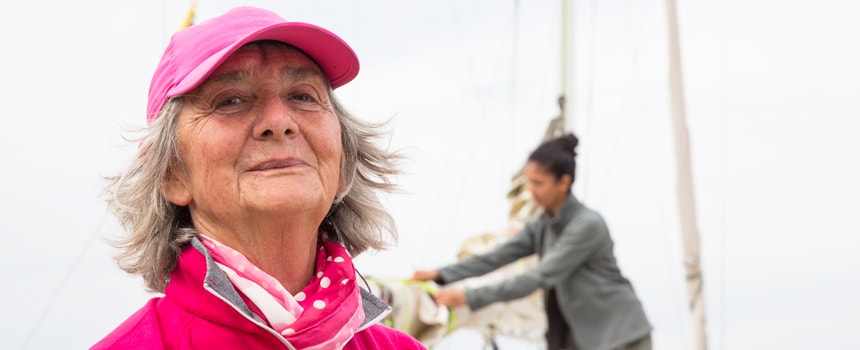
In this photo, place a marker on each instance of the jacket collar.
(565, 214)
(217, 281)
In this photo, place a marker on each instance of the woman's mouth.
(274, 164)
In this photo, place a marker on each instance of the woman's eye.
(230, 104)
(303, 97)
(230, 101)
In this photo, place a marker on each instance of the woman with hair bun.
(589, 304)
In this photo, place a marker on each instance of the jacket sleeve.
(578, 240)
(518, 246)
(140, 331)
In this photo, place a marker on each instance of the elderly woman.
(251, 191)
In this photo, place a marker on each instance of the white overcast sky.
(773, 102)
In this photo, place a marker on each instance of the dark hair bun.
(557, 156)
(568, 142)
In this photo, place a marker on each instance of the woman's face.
(258, 137)
(547, 191)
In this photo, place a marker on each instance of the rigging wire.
(52, 300)
(434, 211)
(724, 130)
(445, 236)
(429, 235)
(164, 39)
(669, 251)
(566, 72)
(589, 95)
(79, 258)
(625, 114)
(472, 148)
(625, 101)
(663, 213)
(513, 88)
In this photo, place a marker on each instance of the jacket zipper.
(263, 326)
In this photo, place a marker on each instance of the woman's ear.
(567, 181)
(341, 183)
(175, 190)
(344, 184)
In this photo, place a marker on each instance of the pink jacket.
(202, 310)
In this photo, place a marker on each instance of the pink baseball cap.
(196, 51)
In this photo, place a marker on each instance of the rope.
(79, 258)
(625, 105)
(470, 154)
(589, 97)
(723, 171)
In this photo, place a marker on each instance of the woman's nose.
(274, 120)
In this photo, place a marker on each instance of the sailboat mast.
(686, 197)
(565, 57)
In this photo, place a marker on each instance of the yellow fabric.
(414, 310)
(189, 18)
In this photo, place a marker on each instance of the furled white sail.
(686, 196)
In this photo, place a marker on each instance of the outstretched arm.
(520, 245)
(575, 245)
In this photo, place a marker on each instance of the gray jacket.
(576, 259)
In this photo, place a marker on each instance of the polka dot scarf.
(324, 315)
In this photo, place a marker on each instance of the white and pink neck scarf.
(324, 315)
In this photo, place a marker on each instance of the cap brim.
(332, 54)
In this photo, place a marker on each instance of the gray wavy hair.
(157, 229)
